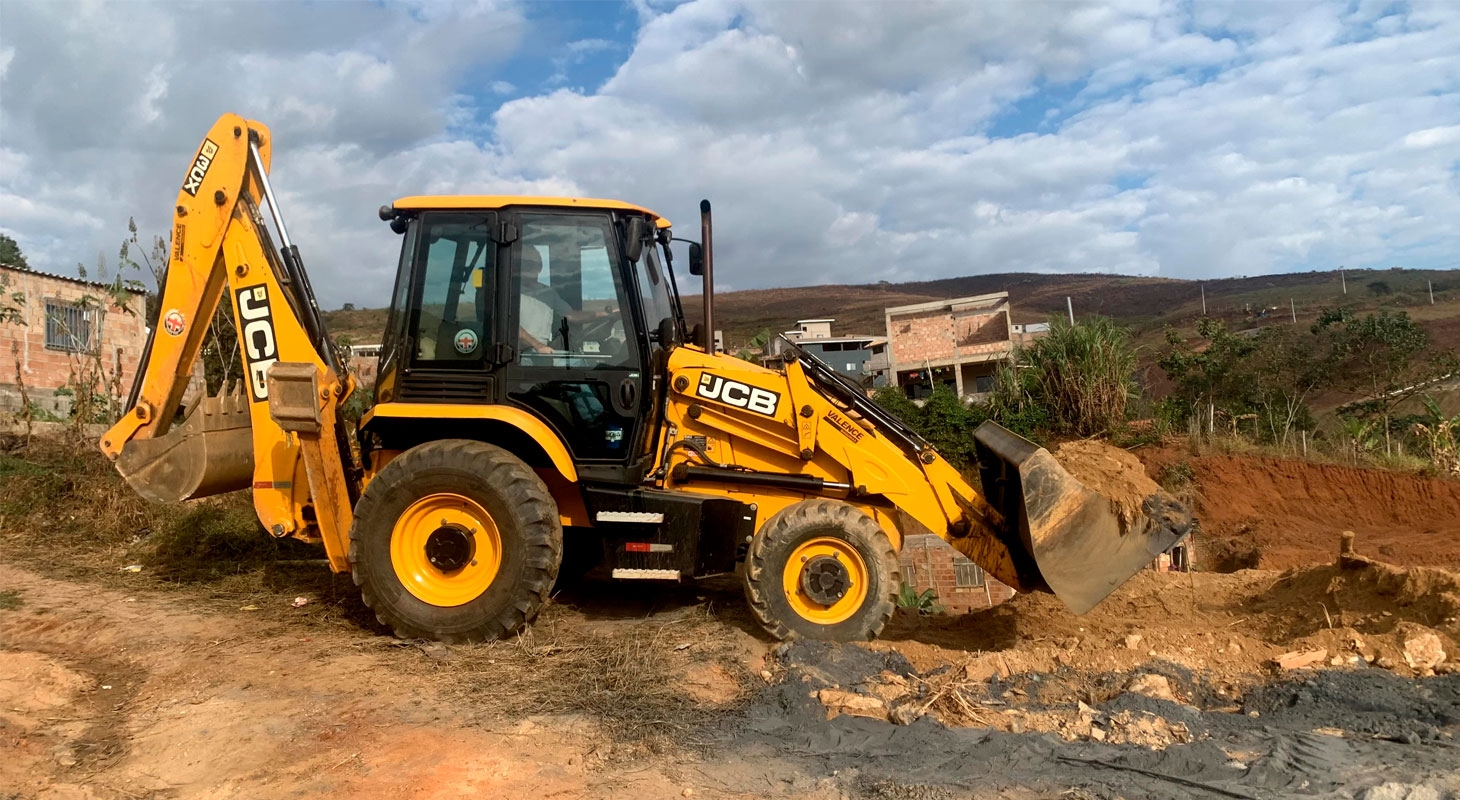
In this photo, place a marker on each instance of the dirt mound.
(1229, 626)
(1116, 473)
(1287, 513)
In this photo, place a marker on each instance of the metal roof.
(66, 278)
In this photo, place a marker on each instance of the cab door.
(579, 362)
(443, 328)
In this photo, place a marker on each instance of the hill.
(1146, 305)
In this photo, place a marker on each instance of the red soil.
(1292, 512)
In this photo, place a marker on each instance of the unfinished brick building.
(928, 562)
(956, 343)
(64, 325)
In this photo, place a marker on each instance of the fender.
(533, 427)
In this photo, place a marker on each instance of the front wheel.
(821, 569)
(456, 540)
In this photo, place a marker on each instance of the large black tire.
(525, 516)
(779, 539)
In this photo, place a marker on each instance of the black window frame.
(90, 316)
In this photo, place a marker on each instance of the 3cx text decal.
(199, 171)
(735, 393)
(260, 347)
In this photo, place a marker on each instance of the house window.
(69, 327)
(966, 573)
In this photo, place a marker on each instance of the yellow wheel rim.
(446, 549)
(811, 555)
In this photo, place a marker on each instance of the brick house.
(957, 343)
(364, 358)
(928, 562)
(69, 324)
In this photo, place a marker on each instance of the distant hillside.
(1147, 305)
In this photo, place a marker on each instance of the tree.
(1385, 358)
(1288, 366)
(1380, 288)
(10, 254)
(348, 307)
(1210, 375)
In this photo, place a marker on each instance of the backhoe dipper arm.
(296, 463)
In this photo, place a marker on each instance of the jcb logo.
(195, 177)
(735, 393)
(260, 348)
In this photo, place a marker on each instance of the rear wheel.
(456, 540)
(821, 569)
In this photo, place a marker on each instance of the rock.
(688, 792)
(1336, 661)
(838, 701)
(986, 667)
(1155, 686)
(1385, 662)
(1133, 641)
(1299, 659)
(1233, 648)
(1400, 791)
(1423, 651)
(904, 714)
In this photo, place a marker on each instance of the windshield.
(654, 288)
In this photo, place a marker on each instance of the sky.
(848, 142)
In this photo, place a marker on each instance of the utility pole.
(1070, 306)
(1343, 279)
(1432, 291)
(1203, 299)
(1294, 309)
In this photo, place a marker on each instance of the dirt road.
(108, 694)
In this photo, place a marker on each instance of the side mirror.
(696, 259)
(636, 232)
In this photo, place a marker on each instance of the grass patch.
(10, 599)
(206, 543)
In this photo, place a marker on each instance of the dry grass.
(624, 674)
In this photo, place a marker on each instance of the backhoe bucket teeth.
(210, 453)
(1081, 543)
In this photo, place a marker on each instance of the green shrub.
(924, 603)
(1081, 375)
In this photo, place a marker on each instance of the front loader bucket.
(211, 453)
(1082, 544)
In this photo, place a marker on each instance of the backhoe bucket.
(211, 453)
(1081, 543)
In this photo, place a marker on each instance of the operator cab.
(563, 308)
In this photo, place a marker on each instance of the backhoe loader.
(538, 386)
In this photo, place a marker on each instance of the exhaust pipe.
(707, 247)
(210, 453)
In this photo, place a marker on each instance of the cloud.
(840, 142)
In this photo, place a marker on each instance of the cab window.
(572, 307)
(456, 268)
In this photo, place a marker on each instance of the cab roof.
(451, 201)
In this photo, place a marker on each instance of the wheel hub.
(825, 580)
(449, 548)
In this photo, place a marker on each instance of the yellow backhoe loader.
(538, 387)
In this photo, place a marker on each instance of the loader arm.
(808, 430)
(276, 430)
